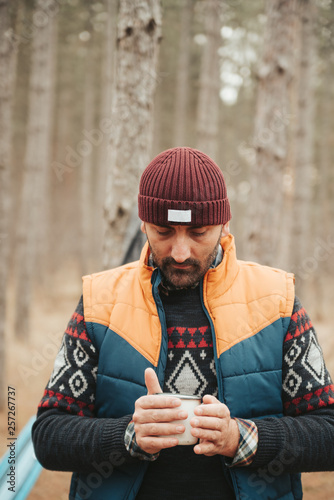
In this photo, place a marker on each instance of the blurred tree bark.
(86, 172)
(323, 228)
(326, 171)
(34, 197)
(182, 83)
(139, 33)
(67, 123)
(107, 89)
(301, 244)
(7, 69)
(209, 82)
(272, 119)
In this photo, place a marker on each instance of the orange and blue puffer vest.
(249, 308)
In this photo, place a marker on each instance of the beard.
(176, 278)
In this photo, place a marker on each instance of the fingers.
(157, 402)
(210, 423)
(214, 409)
(154, 444)
(218, 443)
(152, 382)
(157, 417)
(207, 448)
(208, 399)
(153, 425)
(209, 428)
(213, 426)
(161, 430)
(149, 414)
(155, 437)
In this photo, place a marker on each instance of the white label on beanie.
(179, 215)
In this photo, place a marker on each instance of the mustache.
(188, 262)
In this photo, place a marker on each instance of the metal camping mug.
(188, 403)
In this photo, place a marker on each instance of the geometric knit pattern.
(190, 370)
(71, 386)
(190, 361)
(190, 366)
(307, 384)
(189, 350)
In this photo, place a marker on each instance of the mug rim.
(180, 396)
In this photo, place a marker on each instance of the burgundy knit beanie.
(183, 186)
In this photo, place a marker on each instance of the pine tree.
(138, 39)
(272, 121)
(34, 196)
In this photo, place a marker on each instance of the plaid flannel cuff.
(132, 446)
(247, 444)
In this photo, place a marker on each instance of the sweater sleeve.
(302, 440)
(67, 435)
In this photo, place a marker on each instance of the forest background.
(90, 91)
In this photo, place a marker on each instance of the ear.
(142, 227)
(226, 229)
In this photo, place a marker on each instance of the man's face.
(183, 253)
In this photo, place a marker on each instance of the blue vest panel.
(249, 376)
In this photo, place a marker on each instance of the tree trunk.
(139, 27)
(6, 86)
(86, 177)
(64, 180)
(209, 84)
(302, 209)
(272, 119)
(324, 231)
(107, 90)
(182, 84)
(34, 196)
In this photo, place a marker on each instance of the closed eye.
(163, 233)
(198, 234)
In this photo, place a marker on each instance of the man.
(189, 318)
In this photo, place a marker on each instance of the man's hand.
(218, 434)
(153, 416)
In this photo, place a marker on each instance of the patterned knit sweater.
(63, 441)
(190, 370)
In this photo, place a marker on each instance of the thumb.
(152, 382)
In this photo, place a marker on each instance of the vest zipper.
(214, 343)
(219, 377)
(161, 368)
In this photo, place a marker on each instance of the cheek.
(201, 255)
(160, 249)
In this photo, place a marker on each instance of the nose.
(180, 249)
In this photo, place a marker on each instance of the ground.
(29, 365)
